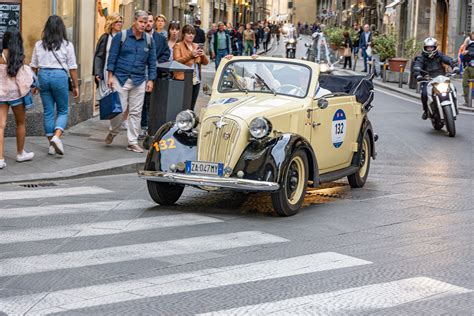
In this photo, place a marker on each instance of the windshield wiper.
(238, 83)
(266, 84)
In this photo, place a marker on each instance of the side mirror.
(206, 90)
(323, 103)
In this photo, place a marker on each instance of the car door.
(333, 135)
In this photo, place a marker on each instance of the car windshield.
(266, 77)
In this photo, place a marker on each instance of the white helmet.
(430, 47)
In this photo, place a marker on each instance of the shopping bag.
(110, 106)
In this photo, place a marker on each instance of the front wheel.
(164, 193)
(289, 198)
(449, 119)
(358, 179)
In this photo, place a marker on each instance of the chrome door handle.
(316, 124)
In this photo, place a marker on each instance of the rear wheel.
(164, 193)
(289, 198)
(449, 119)
(358, 179)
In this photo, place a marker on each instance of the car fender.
(266, 160)
(366, 127)
(170, 146)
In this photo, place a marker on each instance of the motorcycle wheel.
(449, 119)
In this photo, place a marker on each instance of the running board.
(336, 175)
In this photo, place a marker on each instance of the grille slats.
(212, 146)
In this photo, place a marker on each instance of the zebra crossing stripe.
(120, 292)
(59, 209)
(51, 193)
(78, 259)
(358, 299)
(103, 228)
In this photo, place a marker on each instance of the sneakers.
(2, 163)
(51, 150)
(57, 144)
(424, 116)
(109, 138)
(143, 133)
(124, 126)
(24, 156)
(135, 148)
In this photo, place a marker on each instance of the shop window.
(66, 9)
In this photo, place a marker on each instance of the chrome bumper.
(201, 180)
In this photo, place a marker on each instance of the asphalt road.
(402, 245)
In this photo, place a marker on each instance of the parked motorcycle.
(442, 102)
(290, 47)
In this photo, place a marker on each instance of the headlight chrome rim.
(186, 120)
(260, 127)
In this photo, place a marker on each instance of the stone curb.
(114, 167)
(405, 92)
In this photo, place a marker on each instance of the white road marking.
(50, 193)
(59, 209)
(358, 299)
(103, 228)
(78, 259)
(120, 292)
(409, 99)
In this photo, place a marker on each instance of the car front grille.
(218, 144)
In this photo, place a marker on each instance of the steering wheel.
(290, 89)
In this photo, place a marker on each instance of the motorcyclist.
(431, 62)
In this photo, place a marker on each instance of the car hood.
(249, 107)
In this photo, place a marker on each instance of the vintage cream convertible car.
(273, 125)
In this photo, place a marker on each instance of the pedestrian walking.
(468, 58)
(221, 45)
(250, 40)
(55, 62)
(278, 33)
(16, 80)
(209, 35)
(200, 37)
(191, 55)
(240, 40)
(365, 42)
(347, 44)
(162, 55)
(266, 38)
(113, 25)
(356, 43)
(131, 70)
(160, 25)
(173, 36)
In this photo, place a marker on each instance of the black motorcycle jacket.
(433, 66)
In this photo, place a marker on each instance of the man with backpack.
(131, 71)
(468, 61)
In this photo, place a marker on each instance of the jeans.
(146, 108)
(248, 51)
(221, 53)
(366, 57)
(54, 92)
(132, 98)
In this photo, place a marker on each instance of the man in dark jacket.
(162, 55)
(365, 41)
(200, 37)
(430, 63)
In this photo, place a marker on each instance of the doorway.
(442, 24)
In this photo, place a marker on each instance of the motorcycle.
(290, 47)
(319, 52)
(442, 102)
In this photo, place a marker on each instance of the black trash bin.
(169, 97)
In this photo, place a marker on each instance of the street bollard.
(400, 76)
(384, 75)
(471, 87)
(356, 57)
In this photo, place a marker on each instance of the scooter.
(290, 46)
(442, 102)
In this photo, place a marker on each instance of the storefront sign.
(10, 13)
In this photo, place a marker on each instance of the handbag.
(110, 105)
(347, 52)
(69, 80)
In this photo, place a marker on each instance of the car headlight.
(260, 127)
(291, 41)
(442, 87)
(186, 120)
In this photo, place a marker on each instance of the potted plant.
(412, 48)
(335, 37)
(385, 46)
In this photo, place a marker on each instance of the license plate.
(207, 168)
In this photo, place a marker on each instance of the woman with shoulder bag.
(347, 44)
(16, 80)
(55, 61)
(192, 55)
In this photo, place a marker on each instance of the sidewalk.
(405, 90)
